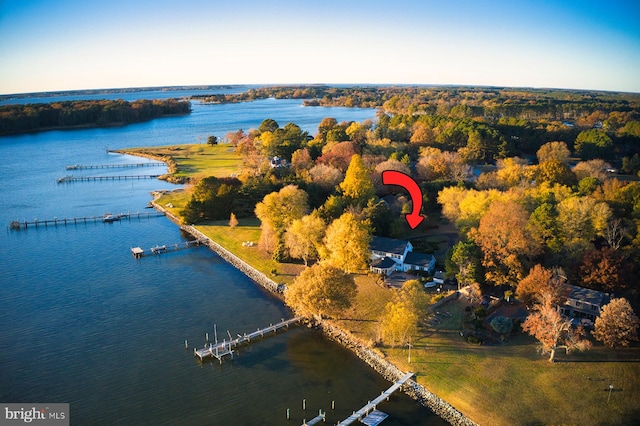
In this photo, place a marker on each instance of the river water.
(83, 322)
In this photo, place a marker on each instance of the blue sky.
(48, 45)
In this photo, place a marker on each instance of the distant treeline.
(486, 103)
(99, 113)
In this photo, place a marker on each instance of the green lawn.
(197, 160)
(512, 384)
(249, 230)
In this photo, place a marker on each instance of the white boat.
(108, 217)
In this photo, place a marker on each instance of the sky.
(53, 45)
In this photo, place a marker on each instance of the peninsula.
(23, 118)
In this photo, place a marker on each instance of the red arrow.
(393, 177)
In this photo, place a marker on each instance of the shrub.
(502, 325)
(481, 312)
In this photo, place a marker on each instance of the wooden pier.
(113, 166)
(106, 218)
(362, 413)
(226, 347)
(139, 252)
(69, 178)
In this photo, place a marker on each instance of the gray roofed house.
(400, 252)
(584, 303)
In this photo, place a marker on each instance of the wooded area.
(530, 178)
(18, 118)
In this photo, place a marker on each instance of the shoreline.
(386, 369)
(86, 126)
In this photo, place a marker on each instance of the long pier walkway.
(226, 347)
(138, 252)
(113, 166)
(35, 223)
(69, 178)
(371, 406)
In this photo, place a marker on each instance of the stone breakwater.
(389, 371)
(234, 260)
(392, 373)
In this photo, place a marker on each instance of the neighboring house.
(583, 303)
(389, 255)
(277, 163)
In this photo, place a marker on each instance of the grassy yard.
(511, 384)
(249, 230)
(507, 384)
(197, 160)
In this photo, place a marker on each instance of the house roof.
(388, 245)
(419, 259)
(587, 295)
(384, 263)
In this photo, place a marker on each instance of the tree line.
(18, 118)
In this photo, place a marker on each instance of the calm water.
(82, 322)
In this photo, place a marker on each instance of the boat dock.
(370, 409)
(106, 218)
(321, 417)
(113, 166)
(226, 347)
(70, 178)
(139, 252)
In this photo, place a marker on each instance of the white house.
(389, 255)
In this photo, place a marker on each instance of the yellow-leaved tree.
(357, 185)
(400, 320)
(346, 243)
(277, 211)
(321, 290)
(303, 239)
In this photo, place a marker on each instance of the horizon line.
(44, 93)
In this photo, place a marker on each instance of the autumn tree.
(399, 323)
(542, 284)
(505, 242)
(276, 212)
(555, 172)
(357, 185)
(234, 138)
(604, 270)
(233, 221)
(384, 166)
(338, 155)
(326, 176)
(321, 290)
(400, 319)
(435, 164)
(592, 168)
(422, 134)
(554, 332)
(554, 151)
(303, 239)
(301, 160)
(617, 325)
(347, 243)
